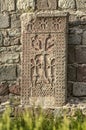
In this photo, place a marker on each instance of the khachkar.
(44, 40)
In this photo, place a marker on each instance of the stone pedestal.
(44, 41)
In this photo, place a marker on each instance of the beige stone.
(66, 4)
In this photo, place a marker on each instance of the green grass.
(31, 120)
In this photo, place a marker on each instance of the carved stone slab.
(46, 4)
(44, 39)
(79, 89)
(81, 4)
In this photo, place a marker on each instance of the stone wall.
(11, 48)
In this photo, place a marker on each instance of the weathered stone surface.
(74, 39)
(66, 4)
(9, 58)
(69, 89)
(84, 38)
(1, 39)
(79, 89)
(7, 5)
(81, 4)
(25, 4)
(46, 4)
(44, 58)
(81, 54)
(14, 32)
(4, 20)
(81, 73)
(71, 54)
(15, 21)
(15, 89)
(4, 89)
(71, 73)
(8, 72)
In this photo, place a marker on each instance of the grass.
(30, 120)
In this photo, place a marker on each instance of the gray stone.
(79, 89)
(1, 39)
(71, 73)
(66, 4)
(15, 21)
(15, 32)
(9, 58)
(81, 4)
(4, 21)
(7, 5)
(84, 38)
(8, 72)
(75, 39)
(46, 4)
(25, 4)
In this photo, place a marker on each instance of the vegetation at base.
(32, 120)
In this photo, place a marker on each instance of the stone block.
(25, 4)
(1, 39)
(66, 4)
(8, 72)
(7, 5)
(15, 89)
(9, 58)
(44, 58)
(46, 4)
(4, 20)
(81, 54)
(71, 73)
(81, 73)
(81, 4)
(15, 21)
(74, 39)
(71, 54)
(69, 89)
(79, 89)
(4, 89)
(84, 38)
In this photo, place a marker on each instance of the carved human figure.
(36, 43)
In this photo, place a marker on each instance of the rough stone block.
(84, 38)
(4, 89)
(69, 89)
(9, 58)
(4, 21)
(15, 21)
(81, 54)
(7, 5)
(81, 73)
(1, 39)
(15, 89)
(81, 4)
(79, 89)
(25, 4)
(46, 4)
(8, 72)
(71, 73)
(75, 39)
(71, 54)
(66, 4)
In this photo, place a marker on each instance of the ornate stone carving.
(46, 4)
(44, 60)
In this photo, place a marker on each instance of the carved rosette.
(44, 39)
